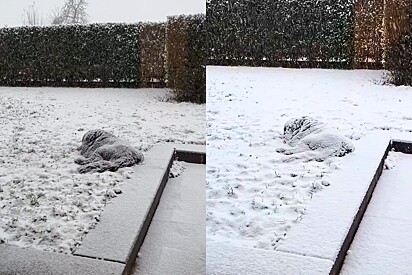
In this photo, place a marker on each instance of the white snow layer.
(382, 244)
(44, 202)
(254, 194)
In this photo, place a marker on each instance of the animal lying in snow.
(306, 133)
(102, 151)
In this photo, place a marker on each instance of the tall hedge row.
(186, 57)
(105, 55)
(302, 32)
(399, 42)
(368, 34)
(152, 55)
(72, 55)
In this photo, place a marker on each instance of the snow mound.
(102, 151)
(390, 161)
(176, 169)
(308, 134)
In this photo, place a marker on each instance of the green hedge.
(186, 43)
(109, 55)
(270, 32)
(399, 55)
(152, 55)
(72, 55)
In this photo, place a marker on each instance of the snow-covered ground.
(254, 196)
(44, 202)
(382, 244)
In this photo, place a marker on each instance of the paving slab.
(124, 222)
(184, 197)
(172, 261)
(330, 214)
(191, 148)
(158, 150)
(175, 242)
(19, 261)
(382, 243)
(333, 217)
(379, 248)
(227, 260)
(394, 193)
(191, 153)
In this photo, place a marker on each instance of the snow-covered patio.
(44, 202)
(253, 197)
(382, 242)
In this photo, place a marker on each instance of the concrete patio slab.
(227, 259)
(184, 200)
(382, 242)
(172, 262)
(177, 232)
(380, 248)
(125, 220)
(18, 261)
(330, 215)
(333, 218)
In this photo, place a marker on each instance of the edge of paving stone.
(231, 259)
(20, 261)
(191, 153)
(338, 263)
(334, 216)
(397, 145)
(131, 257)
(164, 152)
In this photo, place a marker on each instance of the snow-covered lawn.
(44, 202)
(253, 196)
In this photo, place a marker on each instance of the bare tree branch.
(73, 12)
(56, 16)
(31, 15)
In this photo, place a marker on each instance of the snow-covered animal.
(308, 134)
(102, 151)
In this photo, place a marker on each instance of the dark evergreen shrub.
(186, 57)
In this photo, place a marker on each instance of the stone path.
(382, 244)
(175, 242)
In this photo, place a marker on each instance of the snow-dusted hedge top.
(70, 55)
(243, 32)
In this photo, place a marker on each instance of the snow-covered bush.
(305, 134)
(186, 44)
(102, 151)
